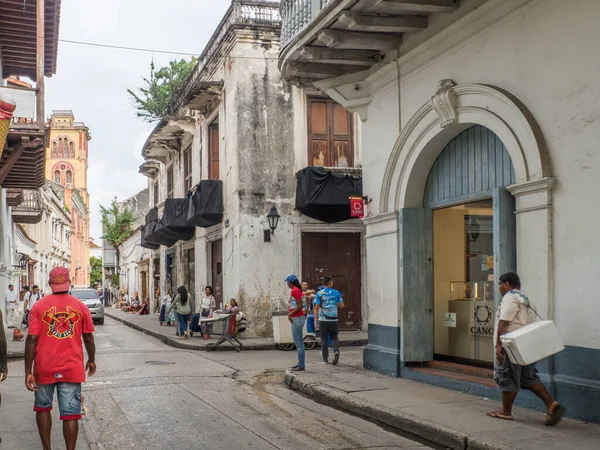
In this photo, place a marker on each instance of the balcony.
(324, 39)
(14, 197)
(30, 211)
(22, 161)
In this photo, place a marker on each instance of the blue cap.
(291, 278)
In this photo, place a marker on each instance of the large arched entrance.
(417, 184)
(472, 219)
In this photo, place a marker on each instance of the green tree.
(154, 100)
(118, 226)
(96, 272)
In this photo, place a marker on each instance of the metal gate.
(337, 255)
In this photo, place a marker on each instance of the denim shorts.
(68, 395)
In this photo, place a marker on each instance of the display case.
(472, 290)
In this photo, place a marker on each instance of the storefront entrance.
(473, 235)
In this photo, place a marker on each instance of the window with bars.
(187, 169)
(170, 184)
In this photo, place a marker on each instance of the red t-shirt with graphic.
(59, 321)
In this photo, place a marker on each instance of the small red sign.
(357, 207)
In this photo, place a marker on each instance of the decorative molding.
(444, 103)
(532, 187)
(423, 137)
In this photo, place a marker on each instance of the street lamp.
(273, 218)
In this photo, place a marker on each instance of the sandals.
(555, 416)
(498, 415)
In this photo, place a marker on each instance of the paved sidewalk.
(17, 419)
(449, 418)
(149, 324)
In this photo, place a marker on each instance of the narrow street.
(147, 395)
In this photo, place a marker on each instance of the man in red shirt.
(57, 324)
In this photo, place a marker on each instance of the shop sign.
(483, 319)
(357, 207)
(450, 320)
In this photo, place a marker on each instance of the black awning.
(154, 233)
(325, 196)
(174, 224)
(206, 204)
(144, 243)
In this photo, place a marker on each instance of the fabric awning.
(206, 204)
(174, 224)
(144, 242)
(152, 235)
(325, 196)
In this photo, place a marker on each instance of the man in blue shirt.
(327, 302)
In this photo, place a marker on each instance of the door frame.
(338, 228)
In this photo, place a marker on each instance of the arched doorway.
(466, 220)
(473, 233)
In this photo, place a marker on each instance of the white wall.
(545, 54)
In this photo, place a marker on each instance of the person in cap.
(297, 319)
(57, 324)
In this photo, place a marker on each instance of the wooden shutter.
(329, 134)
(318, 132)
(213, 151)
(342, 154)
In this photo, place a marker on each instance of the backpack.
(241, 321)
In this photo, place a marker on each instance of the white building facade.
(482, 128)
(46, 244)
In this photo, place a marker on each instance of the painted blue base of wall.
(572, 376)
(382, 354)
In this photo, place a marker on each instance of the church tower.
(67, 165)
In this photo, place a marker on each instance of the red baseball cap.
(59, 279)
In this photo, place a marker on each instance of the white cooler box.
(533, 342)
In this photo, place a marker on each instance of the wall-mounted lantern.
(273, 218)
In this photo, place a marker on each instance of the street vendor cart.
(221, 324)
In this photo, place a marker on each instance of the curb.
(15, 355)
(187, 346)
(407, 423)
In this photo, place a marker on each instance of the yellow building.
(67, 165)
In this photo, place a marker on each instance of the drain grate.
(160, 363)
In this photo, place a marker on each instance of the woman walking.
(297, 319)
(207, 306)
(181, 304)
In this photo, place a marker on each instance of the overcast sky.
(92, 81)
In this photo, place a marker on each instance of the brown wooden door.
(329, 134)
(217, 271)
(213, 151)
(337, 255)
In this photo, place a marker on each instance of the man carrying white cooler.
(515, 312)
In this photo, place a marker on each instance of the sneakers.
(325, 362)
(297, 369)
(336, 358)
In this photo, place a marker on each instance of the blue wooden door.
(416, 283)
(505, 237)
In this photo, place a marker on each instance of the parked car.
(92, 301)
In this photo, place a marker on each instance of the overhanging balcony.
(323, 39)
(30, 211)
